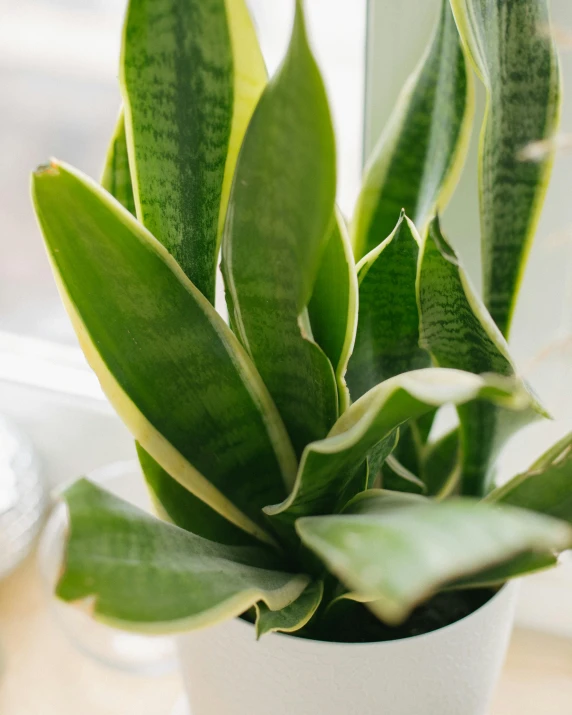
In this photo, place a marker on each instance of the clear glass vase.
(130, 652)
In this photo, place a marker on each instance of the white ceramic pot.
(452, 671)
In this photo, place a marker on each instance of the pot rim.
(502, 592)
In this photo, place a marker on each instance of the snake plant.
(290, 449)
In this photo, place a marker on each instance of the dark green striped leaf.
(172, 501)
(459, 333)
(173, 370)
(279, 222)
(387, 339)
(334, 305)
(191, 76)
(396, 556)
(545, 488)
(327, 465)
(511, 48)
(419, 157)
(136, 572)
(293, 617)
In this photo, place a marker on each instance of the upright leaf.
(546, 487)
(387, 339)
(396, 556)
(459, 333)
(116, 175)
(510, 44)
(138, 573)
(418, 159)
(191, 76)
(176, 375)
(333, 309)
(279, 222)
(328, 465)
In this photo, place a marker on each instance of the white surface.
(452, 671)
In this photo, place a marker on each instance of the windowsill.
(537, 677)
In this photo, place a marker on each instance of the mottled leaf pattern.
(273, 506)
(179, 91)
(460, 334)
(417, 161)
(512, 50)
(387, 339)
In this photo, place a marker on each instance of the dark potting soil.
(350, 622)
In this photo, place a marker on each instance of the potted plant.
(303, 493)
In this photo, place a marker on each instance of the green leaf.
(293, 617)
(133, 571)
(359, 480)
(172, 369)
(510, 44)
(279, 222)
(546, 488)
(442, 465)
(411, 453)
(459, 333)
(387, 340)
(191, 76)
(116, 176)
(398, 556)
(522, 565)
(554, 454)
(378, 501)
(176, 504)
(420, 155)
(333, 309)
(396, 476)
(328, 465)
